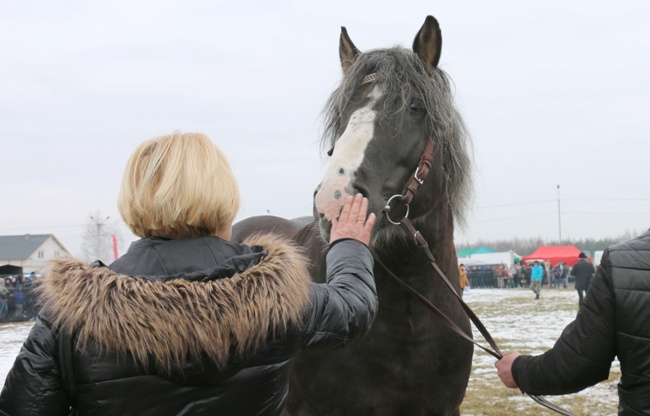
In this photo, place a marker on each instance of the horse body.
(389, 104)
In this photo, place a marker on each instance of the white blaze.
(346, 159)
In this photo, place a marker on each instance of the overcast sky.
(553, 92)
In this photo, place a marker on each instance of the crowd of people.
(519, 275)
(17, 298)
(533, 275)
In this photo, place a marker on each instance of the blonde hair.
(178, 186)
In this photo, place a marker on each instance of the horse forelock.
(402, 76)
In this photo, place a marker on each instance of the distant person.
(464, 281)
(565, 275)
(519, 271)
(512, 273)
(19, 304)
(525, 279)
(536, 275)
(612, 321)
(583, 271)
(500, 275)
(187, 322)
(557, 273)
(19, 280)
(4, 297)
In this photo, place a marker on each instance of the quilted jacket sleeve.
(583, 354)
(33, 386)
(344, 308)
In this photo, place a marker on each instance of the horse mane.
(402, 75)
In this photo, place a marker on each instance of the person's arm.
(33, 386)
(580, 358)
(344, 308)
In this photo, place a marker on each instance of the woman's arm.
(344, 308)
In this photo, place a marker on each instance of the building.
(28, 253)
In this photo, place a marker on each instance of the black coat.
(613, 321)
(191, 327)
(583, 272)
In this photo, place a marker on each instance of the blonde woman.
(186, 322)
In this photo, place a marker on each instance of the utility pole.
(559, 215)
(99, 235)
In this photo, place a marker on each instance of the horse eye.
(415, 106)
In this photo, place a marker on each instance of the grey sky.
(553, 92)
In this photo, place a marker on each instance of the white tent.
(505, 257)
(470, 262)
(598, 254)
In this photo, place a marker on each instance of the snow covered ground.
(515, 320)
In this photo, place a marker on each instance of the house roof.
(20, 247)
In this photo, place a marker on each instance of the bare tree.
(97, 239)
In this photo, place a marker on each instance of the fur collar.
(178, 319)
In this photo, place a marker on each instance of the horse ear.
(347, 51)
(428, 42)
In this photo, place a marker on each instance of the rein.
(410, 189)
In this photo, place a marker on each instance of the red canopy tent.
(555, 254)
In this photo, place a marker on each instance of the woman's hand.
(354, 221)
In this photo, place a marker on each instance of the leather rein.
(406, 197)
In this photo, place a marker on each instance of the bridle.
(405, 198)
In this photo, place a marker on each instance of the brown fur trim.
(174, 320)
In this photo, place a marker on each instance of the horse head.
(389, 105)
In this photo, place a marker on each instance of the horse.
(392, 106)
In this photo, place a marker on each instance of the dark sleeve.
(344, 308)
(33, 386)
(583, 354)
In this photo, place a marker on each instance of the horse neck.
(409, 262)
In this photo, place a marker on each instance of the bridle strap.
(423, 245)
(421, 172)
